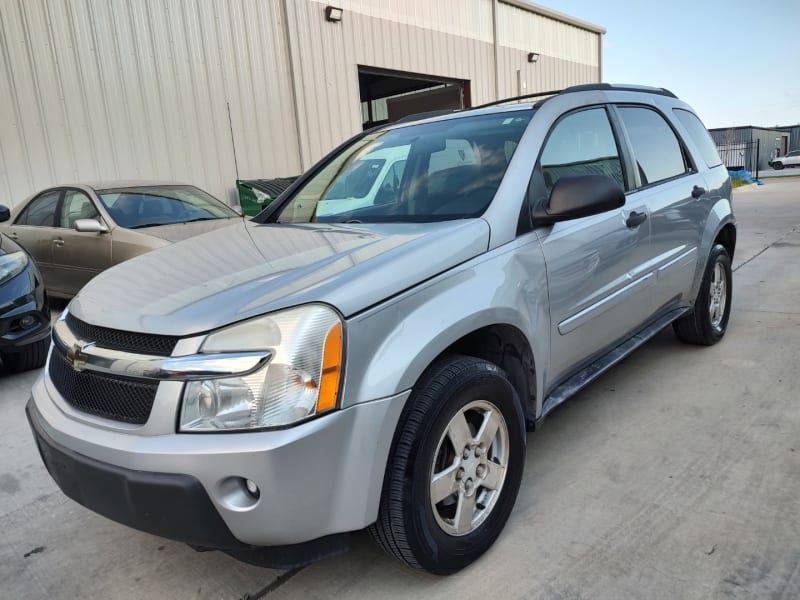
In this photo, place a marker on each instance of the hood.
(183, 231)
(249, 269)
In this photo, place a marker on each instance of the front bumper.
(316, 479)
(167, 504)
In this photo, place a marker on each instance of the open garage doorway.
(390, 95)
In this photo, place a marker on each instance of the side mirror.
(578, 196)
(90, 226)
(5, 214)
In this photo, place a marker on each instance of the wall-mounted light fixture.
(333, 14)
(533, 57)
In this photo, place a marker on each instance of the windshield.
(135, 207)
(428, 172)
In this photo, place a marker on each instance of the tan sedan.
(76, 231)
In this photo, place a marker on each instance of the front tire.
(777, 166)
(455, 467)
(707, 323)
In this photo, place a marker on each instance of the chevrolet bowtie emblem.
(77, 356)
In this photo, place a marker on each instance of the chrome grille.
(109, 396)
(129, 341)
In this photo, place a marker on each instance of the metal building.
(752, 147)
(208, 91)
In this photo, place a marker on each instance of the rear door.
(78, 256)
(33, 229)
(669, 184)
(596, 266)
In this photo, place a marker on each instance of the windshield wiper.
(203, 219)
(148, 225)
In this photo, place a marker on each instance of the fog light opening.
(238, 493)
(27, 321)
(252, 489)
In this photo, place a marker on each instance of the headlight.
(300, 380)
(12, 264)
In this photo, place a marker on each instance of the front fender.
(390, 346)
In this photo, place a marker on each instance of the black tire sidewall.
(718, 255)
(435, 550)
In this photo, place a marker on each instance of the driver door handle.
(58, 242)
(635, 219)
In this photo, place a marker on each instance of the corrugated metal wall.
(568, 55)
(328, 56)
(142, 89)
(794, 137)
(768, 145)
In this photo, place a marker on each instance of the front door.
(78, 256)
(597, 273)
(33, 229)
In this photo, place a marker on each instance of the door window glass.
(581, 143)
(41, 212)
(700, 136)
(656, 149)
(76, 205)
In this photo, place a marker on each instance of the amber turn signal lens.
(331, 370)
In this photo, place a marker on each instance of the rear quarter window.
(656, 149)
(700, 136)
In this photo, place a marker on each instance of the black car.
(24, 313)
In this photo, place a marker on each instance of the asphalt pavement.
(675, 475)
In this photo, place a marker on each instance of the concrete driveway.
(676, 475)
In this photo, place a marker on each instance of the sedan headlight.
(300, 380)
(12, 264)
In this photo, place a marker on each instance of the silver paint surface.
(575, 290)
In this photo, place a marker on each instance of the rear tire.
(461, 440)
(30, 357)
(707, 323)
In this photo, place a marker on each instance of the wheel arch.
(727, 237)
(720, 228)
(507, 347)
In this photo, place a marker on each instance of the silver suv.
(268, 388)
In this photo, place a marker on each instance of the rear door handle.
(635, 219)
(697, 191)
(58, 243)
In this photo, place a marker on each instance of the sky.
(736, 62)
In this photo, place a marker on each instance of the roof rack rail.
(586, 87)
(515, 98)
(619, 87)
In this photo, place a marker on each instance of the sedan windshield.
(435, 171)
(148, 206)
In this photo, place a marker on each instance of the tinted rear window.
(700, 136)
(657, 151)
